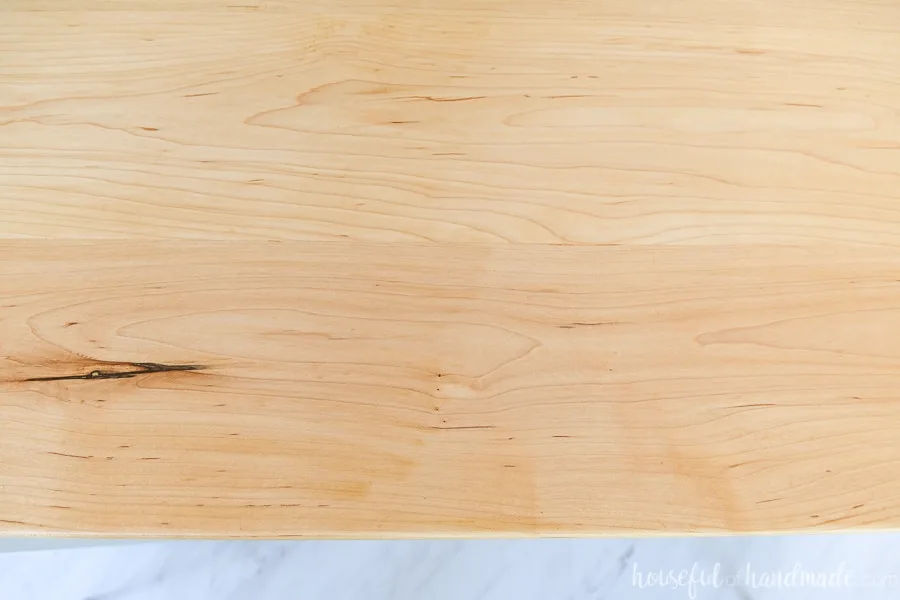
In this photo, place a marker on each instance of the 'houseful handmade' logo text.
(695, 579)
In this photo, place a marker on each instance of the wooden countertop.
(346, 268)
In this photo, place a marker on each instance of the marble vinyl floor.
(861, 566)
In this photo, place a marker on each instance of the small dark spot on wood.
(404, 122)
(71, 323)
(149, 458)
(562, 436)
(234, 434)
(323, 505)
(564, 96)
(60, 507)
(110, 458)
(150, 128)
(749, 51)
(767, 501)
(566, 326)
(828, 470)
(858, 506)
(256, 181)
(468, 427)
(124, 446)
(220, 405)
(164, 523)
(440, 374)
(198, 95)
(813, 516)
(296, 505)
(753, 405)
(510, 439)
(510, 466)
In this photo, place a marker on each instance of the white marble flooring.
(859, 566)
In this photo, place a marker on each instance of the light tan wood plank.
(597, 122)
(347, 389)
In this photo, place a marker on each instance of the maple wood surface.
(346, 268)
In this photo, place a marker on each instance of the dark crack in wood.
(136, 370)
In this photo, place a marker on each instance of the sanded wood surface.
(624, 121)
(402, 268)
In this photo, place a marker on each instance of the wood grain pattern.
(343, 268)
(356, 389)
(470, 121)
